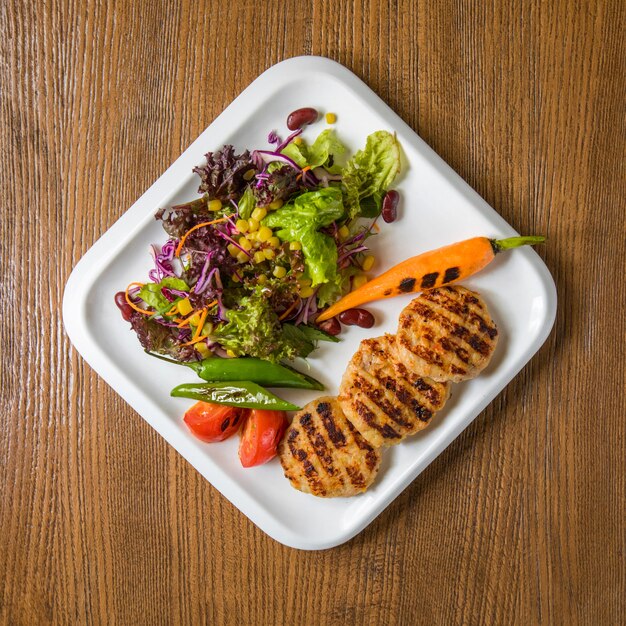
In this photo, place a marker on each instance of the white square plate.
(437, 208)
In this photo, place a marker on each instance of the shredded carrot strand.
(173, 310)
(132, 304)
(376, 227)
(306, 169)
(200, 323)
(289, 310)
(183, 322)
(189, 343)
(184, 237)
(196, 336)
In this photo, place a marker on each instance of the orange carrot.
(132, 304)
(429, 270)
(184, 237)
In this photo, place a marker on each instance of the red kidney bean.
(123, 306)
(331, 326)
(357, 317)
(301, 117)
(390, 206)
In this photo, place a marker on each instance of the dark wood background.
(520, 521)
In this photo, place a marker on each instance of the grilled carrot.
(429, 270)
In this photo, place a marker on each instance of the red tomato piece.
(214, 422)
(260, 436)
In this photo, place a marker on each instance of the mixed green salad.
(276, 236)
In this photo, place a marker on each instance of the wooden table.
(520, 521)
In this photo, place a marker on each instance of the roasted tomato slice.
(260, 436)
(214, 422)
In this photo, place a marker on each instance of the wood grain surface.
(520, 521)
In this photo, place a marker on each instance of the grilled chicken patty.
(322, 453)
(446, 334)
(384, 400)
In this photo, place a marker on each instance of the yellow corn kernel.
(331, 118)
(262, 279)
(251, 236)
(276, 204)
(264, 233)
(306, 291)
(195, 319)
(358, 281)
(184, 307)
(235, 278)
(295, 245)
(245, 243)
(207, 329)
(233, 249)
(248, 175)
(274, 242)
(215, 205)
(269, 253)
(298, 141)
(368, 262)
(202, 348)
(242, 257)
(253, 225)
(305, 282)
(230, 353)
(344, 233)
(258, 214)
(279, 272)
(259, 257)
(242, 226)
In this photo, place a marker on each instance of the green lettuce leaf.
(247, 204)
(301, 222)
(152, 295)
(370, 173)
(297, 340)
(331, 291)
(319, 153)
(296, 153)
(172, 282)
(253, 329)
(315, 334)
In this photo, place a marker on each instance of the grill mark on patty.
(356, 478)
(425, 354)
(460, 353)
(377, 398)
(458, 330)
(421, 412)
(371, 457)
(310, 472)
(370, 419)
(325, 412)
(428, 391)
(492, 331)
(319, 445)
(469, 312)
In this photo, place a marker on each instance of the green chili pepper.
(216, 369)
(245, 394)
